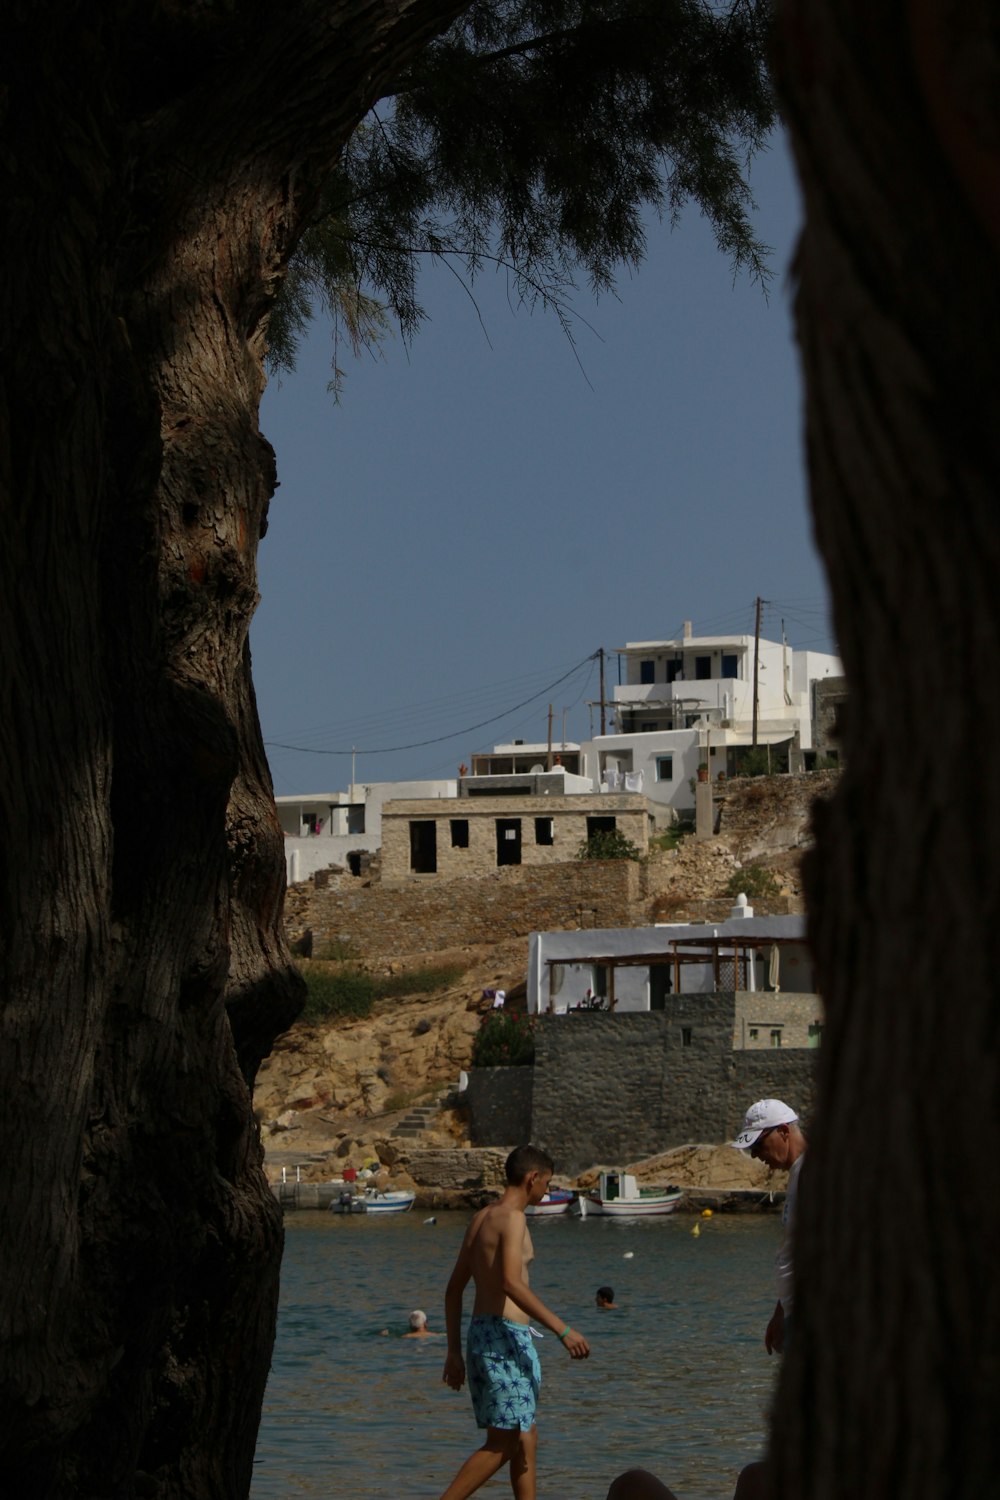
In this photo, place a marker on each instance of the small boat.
(556, 1201)
(372, 1201)
(396, 1202)
(618, 1196)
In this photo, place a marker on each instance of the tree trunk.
(161, 161)
(891, 1387)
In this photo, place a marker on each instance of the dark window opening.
(730, 665)
(356, 818)
(544, 831)
(354, 862)
(508, 841)
(423, 848)
(674, 673)
(601, 825)
(460, 833)
(647, 670)
(685, 1036)
(702, 667)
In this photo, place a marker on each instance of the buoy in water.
(431, 1220)
(629, 1255)
(706, 1213)
(696, 1230)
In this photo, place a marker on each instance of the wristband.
(565, 1331)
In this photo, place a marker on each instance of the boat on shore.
(618, 1196)
(556, 1201)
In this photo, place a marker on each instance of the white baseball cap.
(763, 1115)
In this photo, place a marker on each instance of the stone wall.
(379, 923)
(465, 839)
(617, 1088)
(499, 1101)
(797, 1017)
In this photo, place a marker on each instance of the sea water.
(678, 1380)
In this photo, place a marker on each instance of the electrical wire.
(441, 738)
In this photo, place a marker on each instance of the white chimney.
(688, 632)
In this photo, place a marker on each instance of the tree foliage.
(536, 135)
(607, 843)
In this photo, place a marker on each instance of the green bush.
(345, 993)
(427, 981)
(753, 762)
(504, 1039)
(753, 881)
(611, 843)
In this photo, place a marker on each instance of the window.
(544, 831)
(647, 670)
(754, 1033)
(356, 818)
(685, 1036)
(776, 1036)
(664, 768)
(460, 833)
(601, 825)
(674, 673)
(815, 1032)
(702, 667)
(730, 664)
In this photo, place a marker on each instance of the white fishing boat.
(371, 1201)
(398, 1201)
(556, 1201)
(618, 1196)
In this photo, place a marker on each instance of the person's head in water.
(639, 1484)
(418, 1325)
(605, 1296)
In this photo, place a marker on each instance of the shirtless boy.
(503, 1369)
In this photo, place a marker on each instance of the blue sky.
(479, 513)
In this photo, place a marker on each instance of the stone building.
(451, 838)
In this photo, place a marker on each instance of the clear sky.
(488, 506)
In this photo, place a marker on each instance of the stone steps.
(418, 1119)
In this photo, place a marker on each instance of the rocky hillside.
(343, 1090)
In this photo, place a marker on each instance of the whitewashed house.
(764, 962)
(689, 702)
(336, 828)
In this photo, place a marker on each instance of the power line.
(439, 739)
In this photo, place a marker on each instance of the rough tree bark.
(893, 1381)
(160, 160)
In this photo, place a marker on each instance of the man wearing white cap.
(771, 1134)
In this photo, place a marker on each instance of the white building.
(689, 702)
(336, 828)
(637, 968)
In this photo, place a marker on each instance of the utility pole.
(600, 654)
(756, 666)
(548, 757)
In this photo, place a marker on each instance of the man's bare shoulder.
(494, 1220)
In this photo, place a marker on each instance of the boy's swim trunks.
(503, 1373)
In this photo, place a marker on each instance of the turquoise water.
(678, 1380)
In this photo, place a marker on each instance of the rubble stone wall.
(614, 1088)
(499, 1101)
(379, 923)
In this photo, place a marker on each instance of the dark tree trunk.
(892, 1385)
(160, 161)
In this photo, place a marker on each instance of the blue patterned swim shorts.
(503, 1372)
